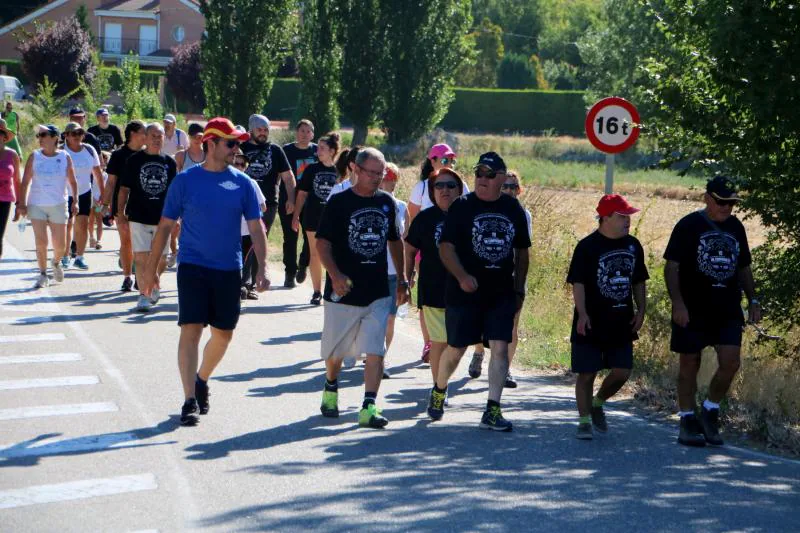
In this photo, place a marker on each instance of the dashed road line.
(37, 383)
(39, 358)
(76, 490)
(37, 411)
(33, 337)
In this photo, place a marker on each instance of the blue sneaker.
(65, 262)
(80, 263)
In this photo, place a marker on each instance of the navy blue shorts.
(590, 358)
(480, 322)
(84, 204)
(693, 339)
(208, 296)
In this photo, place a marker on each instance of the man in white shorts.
(352, 239)
(142, 194)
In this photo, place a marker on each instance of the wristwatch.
(403, 284)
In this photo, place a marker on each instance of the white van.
(11, 88)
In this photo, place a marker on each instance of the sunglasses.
(510, 186)
(725, 203)
(442, 185)
(485, 173)
(448, 161)
(232, 143)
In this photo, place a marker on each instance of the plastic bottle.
(22, 224)
(336, 297)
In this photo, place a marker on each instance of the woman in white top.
(48, 171)
(193, 156)
(86, 164)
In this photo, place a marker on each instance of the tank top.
(49, 181)
(188, 162)
(7, 176)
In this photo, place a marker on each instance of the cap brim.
(733, 197)
(216, 134)
(628, 212)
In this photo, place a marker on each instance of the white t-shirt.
(400, 221)
(172, 145)
(261, 199)
(419, 194)
(82, 163)
(530, 223)
(49, 182)
(340, 187)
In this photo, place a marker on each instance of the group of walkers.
(207, 199)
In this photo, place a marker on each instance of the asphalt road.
(89, 439)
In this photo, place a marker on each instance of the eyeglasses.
(441, 185)
(232, 143)
(510, 186)
(448, 161)
(373, 173)
(725, 203)
(485, 173)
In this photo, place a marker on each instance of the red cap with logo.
(222, 128)
(615, 203)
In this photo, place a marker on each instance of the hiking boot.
(330, 404)
(80, 263)
(493, 419)
(188, 416)
(289, 282)
(691, 433)
(42, 281)
(301, 275)
(202, 392)
(370, 416)
(584, 431)
(436, 404)
(599, 419)
(475, 365)
(709, 421)
(127, 284)
(426, 352)
(316, 298)
(58, 271)
(510, 383)
(143, 304)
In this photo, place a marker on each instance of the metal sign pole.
(609, 173)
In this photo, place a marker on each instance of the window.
(179, 34)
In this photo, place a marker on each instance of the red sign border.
(593, 112)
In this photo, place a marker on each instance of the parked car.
(11, 88)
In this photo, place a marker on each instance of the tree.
(425, 42)
(96, 91)
(244, 43)
(82, 14)
(487, 44)
(321, 63)
(47, 106)
(520, 20)
(183, 75)
(516, 72)
(564, 23)
(131, 93)
(61, 51)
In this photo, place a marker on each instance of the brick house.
(148, 28)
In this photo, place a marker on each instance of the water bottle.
(402, 311)
(336, 297)
(22, 224)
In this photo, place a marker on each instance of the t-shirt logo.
(153, 178)
(614, 272)
(492, 236)
(106, 141)
(302, 164)
(367, 232)
(260, 164)
(323, 183)
(718, 255)
(437, 232)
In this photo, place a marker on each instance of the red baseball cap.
(615, 203)
(222, 128)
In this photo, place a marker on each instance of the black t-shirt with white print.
(108, 138)
(424, 235)
(116, 167)
(267, 162)
(148, 178)
(358, 229)
(608, 269)
(317, 182)
(485, 235)
(710, 255)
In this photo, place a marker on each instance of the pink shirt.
(7, 176)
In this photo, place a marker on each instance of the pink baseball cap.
(440, 150)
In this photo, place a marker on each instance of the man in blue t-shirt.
(211, 200)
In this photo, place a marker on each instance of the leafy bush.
(131, 88)
(560, 75)
(61, 51)
(516, 72)
(150, 104)
(96, 91)
(183, 75)
(47, 105)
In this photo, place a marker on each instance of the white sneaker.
(143, 305)
(42, 282)
(155, 295)
(58, 272)
(171, 260)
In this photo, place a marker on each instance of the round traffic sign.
(612, 125)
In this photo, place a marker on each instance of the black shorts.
(311, 220)
(84, 204)
(694, 339)
(591, 358)
(480, 322)
(208, 296)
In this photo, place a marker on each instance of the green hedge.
(496, 111)
(149, 77)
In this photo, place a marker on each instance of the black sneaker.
(493, 419)
(475, 365)
(127, 284)
(584, 431)
(510, 383)
(436, 404)
(252, 294)
(289, 282)
(599, 419)
(243, 293)
(301, 275)
(135, 283)
(188, 416)
(201, 392)
(709, 421)
(316, 298)
(691, 433)
(386, 374)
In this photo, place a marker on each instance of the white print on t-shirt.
(367, 232)
(492, 236)
(106, 141)
(437, 232)
(260, 164)
(718, 255)
(228, 185)
(614, 273)
(323, 183)
(153, 178)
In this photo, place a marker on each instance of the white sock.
(708, 404)
(685, 413)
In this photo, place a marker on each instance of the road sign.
(612, 125)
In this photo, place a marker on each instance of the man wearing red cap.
(608, 274)
(210, 200)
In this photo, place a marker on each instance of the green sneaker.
(371, 417)
(330, 404)
(436, 404)
(493, 419)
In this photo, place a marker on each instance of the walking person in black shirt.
(352, 239)
(108, 135)
(708, 267)
(608, 274)
(312, 195)
(484, 246)
(301, 153)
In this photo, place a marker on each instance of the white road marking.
(57, 410)
(88, 443)
(39, 358)
(66, 381)
(76, 490)
(33, 337)
(30, 308)
(23, 320)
